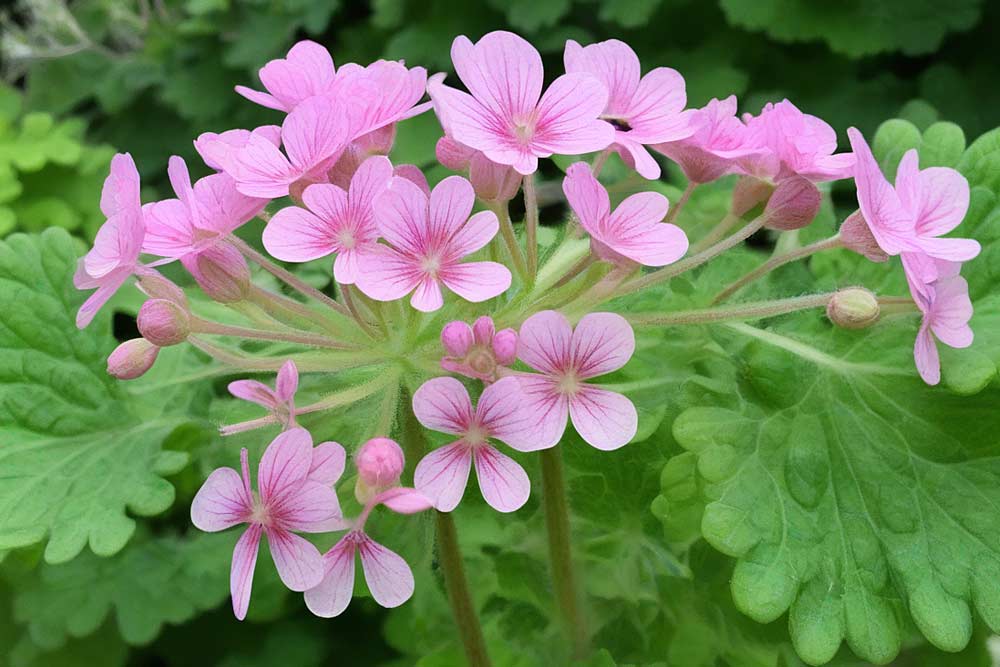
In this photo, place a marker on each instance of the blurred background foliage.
(148, 76)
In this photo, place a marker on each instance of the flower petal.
(427, 296)
(287, 381)
(388, 274)
(221, 502)
(255, 392)
(297, 560)
(315, 133)
(443, 474)
(502, 413)
(312, 508)
(286, 462)
(121, 187)
(296, 235)
(241, 571)
(547, 411)
(503, 482)
(602, 343)
(328, 463)
(331, 597)
(368, 183)
(401, 214)
(890, 223)
(545, 342)
(635, 231)
(614, 63)
(261, 170)
(925, 354)
(604, 419)
(169, 229)
(389, 578)
(655, 112)
(307, 70)
(502, 70)
(587, 197)
(443, 404)
(567, 118)
(404, 501)
(451, 204)
(938, 197)
(477, 281)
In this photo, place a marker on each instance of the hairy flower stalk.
(450, 321)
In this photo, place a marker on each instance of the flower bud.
(380, 464)
(456, 337)
(856, 235)
(453, 155)
(222, 273)
(163, 323)
(749, 193)
(793, 205)
(492, 181)
(156, 286)
(132, 359)
(505, 346)
(853, 308)
(483, 329)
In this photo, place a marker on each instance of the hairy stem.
(716, 233)
(685, 196)
(459, 596)
(510, 240)
(599, 161)
(287, 310)
(775, 262)
(531, 225)
(346, 291)
(199, 325)
(575, 270)
(560, 549)
(235, 359)
(742, 311)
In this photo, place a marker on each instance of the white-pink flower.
(336, 222)
(946, 309)
(218, 150)
(115, 255)
(634, 232)
(295, 494)
(443, 404)
(798, 144)
(644, 109)
(429, 236)
(305, 72)
(565, 359)
(507, 117)
(280, 401)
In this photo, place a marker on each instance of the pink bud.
(222, 273)
(132, 359)
(456, 337)
(452, 154)
(412, 173)
(749, 193)
(853, 308)
(856, 235)
(380, 463)
(492, 181)
(482, 330)
(377, 142)
(156, 286)
(163, 323)
(505, 346)
(793, 205)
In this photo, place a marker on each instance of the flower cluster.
(527, 340)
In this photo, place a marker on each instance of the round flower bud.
(132, 359)
(222, 273)
(163, 323)
(749, 193)
(505, 346)
(156, 286)
(853, 308)
(380, 463)
(453, 155)
(857, 236)
(482, 330)
(793, 205)
(456, 337)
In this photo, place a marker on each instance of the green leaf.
(79, 452)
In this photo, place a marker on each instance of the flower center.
(431, 265)
(620, 123)
(476, 435)
(568, 384)
(524, 131)
(259, 513)
(345, 238)
(481, 360)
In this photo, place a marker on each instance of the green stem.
(560, 549)
(742, 311)
(459, 596)
(345, 290)
(685, 196)
(287, 310)
(599, 160)
(199, 325)
(531, 225)
(575, 270)
(716, 233)
(510, 240)
(775, 262)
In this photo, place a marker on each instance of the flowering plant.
(791, 442)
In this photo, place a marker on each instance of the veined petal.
(547, 411)
(602, 343)
(473, 235)
(545, 342)
(121, 187)
(404, 501)
(297, 560)
(443, 404)
(287, 381)
(312, 508)
(604, 419)
(169, 229)
(285, 463)
(504, 484)
(401, 213)
(890, 223)
(925, 354)
(443, 475)
(502, 413)
(261, 170)
(587, 197)
(503, 70)
(241, 572)
(368, 183)
(613, 62)
(221, 502)
(477, 281)
(655, 112)
(331, 597)
(389, 578)
(255, 392)
(328, 462)
(567, 121)
(427, 296)
(296, 235)
(451, 203)
(306, 71)
(315, 133)
(388, 274)
(938, 197)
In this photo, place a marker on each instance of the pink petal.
(427, 296)
(503, 482)
(404, 501)
(347, 266)
(180, 180)
(925, 355)
(287, 381)
(547, 411)
(296, 235)
(483, 330)
(241, 572)
(169, 229)
(260, 98)
(889, 222)
(614, 63)
(315, 133)
(587, 197)
(219, 150)
(388, 274)
(655, 112)
(286, 462)
(604, 419)
(255, 392)
(389, 578)
(602, 343)
(331, 597)
(312, 507)
(451, 204)
(938, 197)
(297, 560)
(443, 404)
(952, 311)
(328, 462)
(95, 301)
(401, 213)
(261, 170)
(328, 202)
(477, 281)
(443, 474)
(635, 231)
(221, 206)
(412, 173)
(950, 249)
(306, 71)
(502, 70)
(473, 124)
(221, 502)
(368, 183)
(636, 155)
(121, 187)
(567, 118)
(545, 342)
(117, 244)
(502, 413)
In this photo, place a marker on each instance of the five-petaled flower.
(280, 401)
(946, 310)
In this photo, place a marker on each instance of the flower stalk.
(775, 262)
(743, 311)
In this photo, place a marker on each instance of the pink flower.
(507, 117)
(295, 495)
(480, 351)
(718, 142)
(335, 222)
(644, 109)
(799, 144)
(115, 255)
(280, 401)
(634, 233)
(305, 72)
(389, 578)
(429, 237)
(218, 151)
(443, 404)
(946, 309)
(198, 218)
(565, 359)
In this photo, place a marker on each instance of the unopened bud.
(505, 346)
(156, 286)
(132, 359)
(853, 308)
(163, 323)
(453, 155)
(749, 193)
(380, 464)
(483, 330)
(857, 236)
(492, 181)
(793, 205)
(222, 273)
(456, 337)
